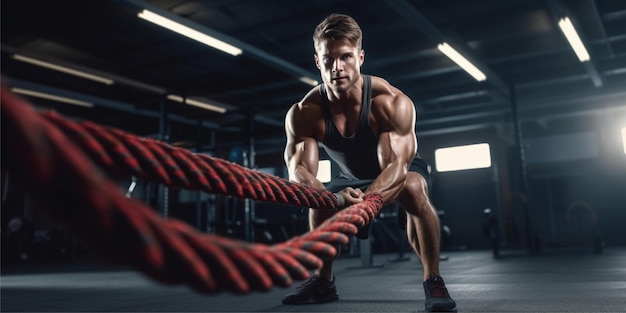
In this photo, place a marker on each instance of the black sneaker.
(437, 297)
(313, 290)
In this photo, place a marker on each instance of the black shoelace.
(436, 288)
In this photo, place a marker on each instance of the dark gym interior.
(540, 229)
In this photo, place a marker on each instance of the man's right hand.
(351, 196)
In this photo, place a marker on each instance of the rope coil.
(54, 159)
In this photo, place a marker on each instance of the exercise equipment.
(61, 163)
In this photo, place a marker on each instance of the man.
(367, 126)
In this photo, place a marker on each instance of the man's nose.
(337, 66)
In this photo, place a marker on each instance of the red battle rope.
(49, 158)
(119, 152)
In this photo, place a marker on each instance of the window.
(463, 157)
(323, 171)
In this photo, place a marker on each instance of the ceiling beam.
(415, 18)
(598, 20)
(248, 49)
(115, 105)
(120, 80)
(558, 10)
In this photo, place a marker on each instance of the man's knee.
(414, 195)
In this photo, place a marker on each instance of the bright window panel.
(323, 171)
(463, 157)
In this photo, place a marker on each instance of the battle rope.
(149, 159)
(65, 182)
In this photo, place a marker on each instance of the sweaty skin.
(385, 155)
(392, 119)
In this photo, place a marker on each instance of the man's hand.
(350, 196)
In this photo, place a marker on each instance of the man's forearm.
(303, 176)
(389, 182)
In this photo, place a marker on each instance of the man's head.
(337, 26)
(338, 53)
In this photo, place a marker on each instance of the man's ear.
(317, 60)
(361, 57)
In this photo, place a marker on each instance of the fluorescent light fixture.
(463, 157)
(323, 171)
(189, 32)
(48, 96)
(63, 69)
(309, 81)
(574, 40)
(176, 98)
(196, 103)
(461, 61)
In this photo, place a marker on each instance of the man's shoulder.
(311, 100)
(304, 117)
(308, 108)
(382, 87)
(384, 92)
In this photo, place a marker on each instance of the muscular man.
(367, 126)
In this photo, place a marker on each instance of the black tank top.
(355, 155)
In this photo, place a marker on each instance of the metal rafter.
(414, 17)
(558, 10)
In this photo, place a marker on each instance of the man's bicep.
(300, 151)
(406, 146)
(396, 147)
(399, 142)
(302, 160)
(294, 139)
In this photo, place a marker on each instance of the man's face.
(339, 62)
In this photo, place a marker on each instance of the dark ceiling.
(517, 43)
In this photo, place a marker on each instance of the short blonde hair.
(337, 26)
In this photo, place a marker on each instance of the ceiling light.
(48, 96)
(63, 69)
(461, 61)
(189, 32)
(196, 103)
(176, 98)
(309, 81)
(574, 40)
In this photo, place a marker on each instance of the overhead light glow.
(309, 81)
(63, 69)
(196, 103)
(176, 98)
(189, 32)
(461, 61)
(624, 138)
(574, 40)
(48, 96)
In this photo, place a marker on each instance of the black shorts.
(339, 183)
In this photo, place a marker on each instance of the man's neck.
(350, 97)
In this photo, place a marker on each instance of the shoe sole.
(441, 309)
(312, 301)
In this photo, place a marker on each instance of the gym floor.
(573, 280)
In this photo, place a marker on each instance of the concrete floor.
(552, 281)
